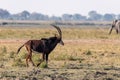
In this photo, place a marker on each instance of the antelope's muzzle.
(61, 42)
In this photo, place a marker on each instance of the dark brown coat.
(44, 46)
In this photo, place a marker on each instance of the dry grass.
(80, 43)
(88, 49)
(68, 33)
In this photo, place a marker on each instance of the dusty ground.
(93, 67)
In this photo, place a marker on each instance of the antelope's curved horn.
(58, 29)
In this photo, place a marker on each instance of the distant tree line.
(25, 15)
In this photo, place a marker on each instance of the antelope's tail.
(20, 48)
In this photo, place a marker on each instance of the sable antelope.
(116, 25)
(44, 46)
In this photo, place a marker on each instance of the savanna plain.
(89, 53)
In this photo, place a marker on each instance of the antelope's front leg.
(110, 30)
(47, 58)
(43, 58)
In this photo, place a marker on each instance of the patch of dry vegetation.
(89, 50)
(68, 33)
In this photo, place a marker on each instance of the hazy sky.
(59, 7)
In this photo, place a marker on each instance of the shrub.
(81, 59)
(43, 65)
(72, 58)
(36, 57)
(23, 55)
(88, 52)
(60, 57)
(11, 54)
(18, 62)
(4, 50)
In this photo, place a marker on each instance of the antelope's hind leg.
(29, 56)
(31, 59)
